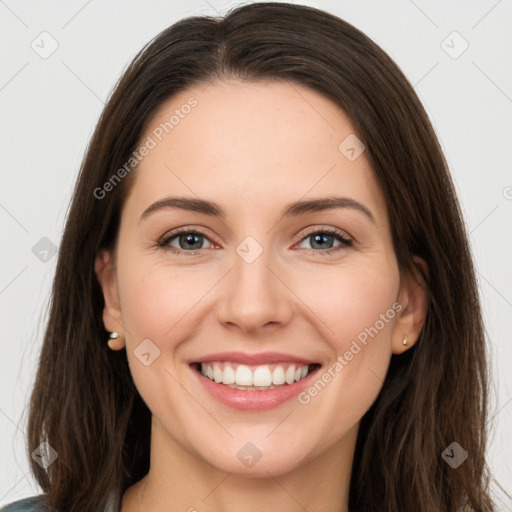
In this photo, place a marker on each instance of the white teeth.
(278, 375)
(228, 376)
(290, 374)
(217, 373)
(262, 376)
(241, 376)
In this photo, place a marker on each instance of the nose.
(255, 296)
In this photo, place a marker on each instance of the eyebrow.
(291, 210)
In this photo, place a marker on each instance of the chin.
(258, 458)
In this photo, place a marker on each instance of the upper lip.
(253, 359)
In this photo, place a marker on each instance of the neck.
(190, 484)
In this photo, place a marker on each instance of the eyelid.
(325, 229)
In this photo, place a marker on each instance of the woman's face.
(268, 291)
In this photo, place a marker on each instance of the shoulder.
(32, 504)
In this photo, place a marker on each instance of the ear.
(112, 317)
(413, 297)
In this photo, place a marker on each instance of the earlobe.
(414, 301)
(112, 317)
(115, 342)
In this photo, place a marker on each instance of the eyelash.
(339, 235)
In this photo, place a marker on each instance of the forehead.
(249, 146)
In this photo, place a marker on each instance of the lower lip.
(254, 400)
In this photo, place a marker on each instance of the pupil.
(320, 239)
(190, 239)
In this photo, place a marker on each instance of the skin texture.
(253, 148)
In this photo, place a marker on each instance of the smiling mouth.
(254, 377)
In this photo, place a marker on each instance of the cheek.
(155, 298)
(155, 301)
(366, 313)
(356, 302)
(360, 310)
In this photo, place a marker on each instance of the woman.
(198, 355)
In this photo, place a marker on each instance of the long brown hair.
(84, 402)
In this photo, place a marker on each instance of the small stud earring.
(405, 341)
(112, 343)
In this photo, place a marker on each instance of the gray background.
(49, 107)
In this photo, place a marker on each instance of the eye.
(186, 239)
(324, 238)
